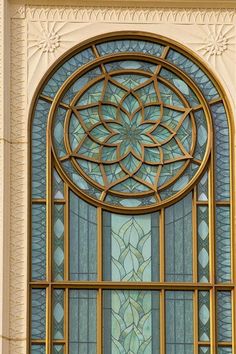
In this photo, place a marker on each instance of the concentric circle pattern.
(131, 130)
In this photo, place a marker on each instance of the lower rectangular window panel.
(38, 313)
(224, 350)
(179, 322)
(58, 349)
(224, 316)
(38, 349)
(204, 350)
(82, 321)
(131, 322)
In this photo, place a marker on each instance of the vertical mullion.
(162, 245)
(49, 213)
(162, 323)
(66, 320)
(99, 278)
(211, 189)
(195, 319)
(195, 238)
(66, 233)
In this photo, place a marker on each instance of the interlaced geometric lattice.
(134, 133)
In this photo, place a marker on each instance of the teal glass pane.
(204, 350)
(223, 245)
(202, 134)
(83, 240)
(168, 171)
(38, 160)
(131, 322)
(181, 85)
(58, 349)
(80, 181)
(179, 322)
(222, 164)
(131, 247)
(203, 243)
(181, 182)
(224, 350)
(196, 74)
(184, 134)
(58, 186)
(80, 84)
(224, 316)
(58, 131)
(147, 94)
(130, 45)
(92, 94)
(38, 313)
(130, 202)
(204, 316)
(58, 242)
(130, 186)
(65, 70)
(38, 349)
(203, 188)
(82, 321)
(130, 81)
(178, 241)
(131, 65)
(38, 250)
(58, 314)
(113, 93)
(168, 96)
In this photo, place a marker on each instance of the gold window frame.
(162, 286)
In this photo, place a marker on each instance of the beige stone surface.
(39, 35)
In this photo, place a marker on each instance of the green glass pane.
(131, 322)
(223, 245)
(171, 117)
(169, 171)
(130, 45)
(89, 148)
(130, 185)
(148, 174)
(58, 131)
(130, 104)
(178, 241)
(100, 133)
(114, 172)
(109, 153)
(89, 116)
(131, 247)
(92, 94)
(39, 124)
(204, 316)
(130, 81)
(113, 93)
(82, 321)
(152, 113)
(108, 112)
(203, 243)
(152, 155)
(58, 242)
(38, 349)
(76, 132)
(224, 316)
(58, 186)
(38, 250)
(83, 239)
(147, 94)
(131, 65)
(58, 314)
(171, 150)
(38, 313)
(204, 350)
(162, 134)
(185, 135)
(179, 322)
(203, 188)
(92, 170)
(130, 202)
(130, 163)
(58, 349)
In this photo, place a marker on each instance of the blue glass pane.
(222, 164)
(38, 313)
(68, 68)
(131, 247)
(39, 125)
(224, 350)
(178, 241)
(82, 321)
(38, 242)
(203, 188)
(204, 350)
(179, 322)
(58, 242)
(38, 349)
(83, 240)
(196, 74)
(181, 85)
(223, 244)
(131, 65)
(202, 134)
(58, 314)
(58, 131)
(130, 202)
(58, 186)
(130, 45)
(131, 322)
(204, 316)
(203, 243)
(224, 316)
(58, 349)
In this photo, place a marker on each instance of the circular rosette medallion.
(130, 133)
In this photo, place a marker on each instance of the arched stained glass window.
(130, 207)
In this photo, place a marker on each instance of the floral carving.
(49, 41)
